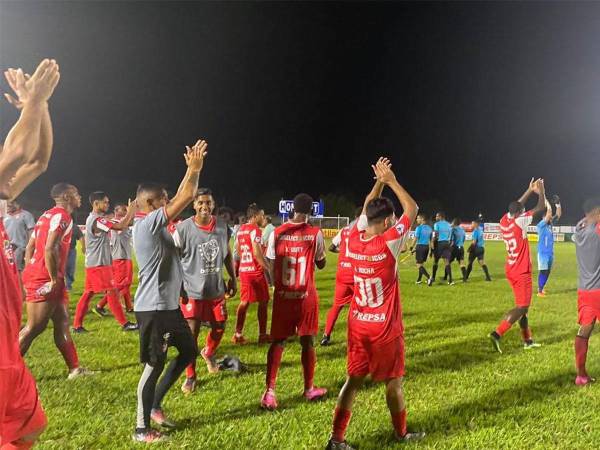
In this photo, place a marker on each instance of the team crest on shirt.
(209, 250)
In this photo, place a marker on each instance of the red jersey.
(376, 312)
(344, 273)
(54, 219)
(10, 300)
(295, 247)
(246, 235)
(514, 233)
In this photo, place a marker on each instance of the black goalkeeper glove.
(556, 199)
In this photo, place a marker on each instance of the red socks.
(341, 419)
(82, 308)
(309, 360)
(399, 422)
(241, 317)
(503, 327)
(332, 316)
(69, 353)
(126, 296)
(273, 363)
(115, 306)
(581, 348)
(263, 308)
(190, 370)
(213, 339)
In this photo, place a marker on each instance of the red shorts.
(58, 294)
(344, 292)
(122, 273)
(382, 361)
(522, 288)
(21, 412)
(588, 306)
(99, 279)
(295, 317)
(254, 289)
(205, 310)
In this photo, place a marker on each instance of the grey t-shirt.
(587, 247)
(160, 274)
(97, 243)
(120, 244)
(18, 225)
(203, 253)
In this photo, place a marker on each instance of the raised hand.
(383, 171)
(532, 184)
(11, 78)
(194, 156)
(538, 186)
(132, 206)
(34, 89)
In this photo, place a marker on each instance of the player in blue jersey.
(458, 249)
(442, 248)
(477, 250)
(545, 247)
(421, 245)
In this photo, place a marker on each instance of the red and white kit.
(253, 284)
(375, 328)
(518, 260)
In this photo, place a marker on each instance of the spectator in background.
(269, 227)
(226, 214)
(18, 224)
(72, 257)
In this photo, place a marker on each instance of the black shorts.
(421, 253)
(160, 330)
(477, 252)
(442, 250)
(458, 253)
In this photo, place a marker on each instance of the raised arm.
(385, 175)
(28, 146)
(558, 206)
(194, 158)
(125, 222)
(377, 187)
(541, 193)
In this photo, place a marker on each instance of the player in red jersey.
(294, 249)
(513, 226)
(253, 283)
(344, 279)
(23, 157)
(375, 328)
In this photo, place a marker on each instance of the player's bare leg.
(64, 342)
(213, 339)
(309, 361)
(343, 413)
(262, 316)
(269, 400)
(189, 385)
(242, 311)
(581, 349)
(394, 396)
(38, 316)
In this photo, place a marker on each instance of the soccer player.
(421, 246)
(253, 283)
(477, 250)
(203, 241)
(23, 157)
(344, 279)
(458, 247)
(545, 247)
(294, 249)
(18, 224)
(587, 246)
(121, 246)
(156, 303)
(513, 226)
(375, 328)
(442, 248)
(99, 276)
(77, 236)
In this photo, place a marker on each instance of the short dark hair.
(152, 190)
(118, 205)
(203, 191)
(253, 210)
(515, 207)
(303, 204)
(97, 196)
(456, 221)
(423, 216)
(59, 189)
(442, 214)
(358, 212)
(379, 209)
(591, 204)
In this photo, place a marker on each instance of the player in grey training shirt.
(156, 302)
(18, 224)
(204, 243)
(98, 262)
(587, 245)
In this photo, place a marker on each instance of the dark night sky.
(468, 100)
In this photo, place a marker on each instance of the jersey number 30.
(370, 292)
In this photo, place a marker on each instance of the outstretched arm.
(541, 192)
(385, 175)
(377, 187)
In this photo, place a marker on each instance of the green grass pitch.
(457, 390)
